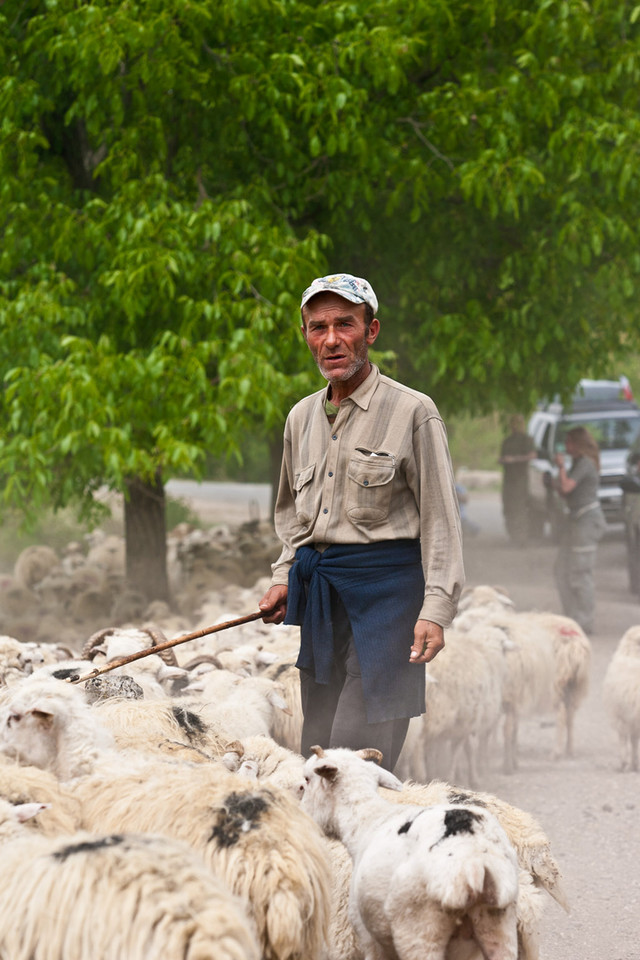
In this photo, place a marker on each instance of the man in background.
(516, 451)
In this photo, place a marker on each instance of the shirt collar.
(362, 395)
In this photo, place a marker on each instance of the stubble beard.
(358, 362)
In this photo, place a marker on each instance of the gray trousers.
(575, 566)
(335, 713)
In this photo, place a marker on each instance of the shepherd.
(371, 563)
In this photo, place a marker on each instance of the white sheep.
(538, 872)
(25, 784)
(464, 698)
(247, 660)
(248, 708)
(621, 696)
(262, 758)
(19, 659)
(287, 727)
(46, 722)
(527, 837)
(160, 727)
(155, 673)
(34, 563)
(425, 879)
(113, 896)
(254, 837)
(548, 663)
(107, 553)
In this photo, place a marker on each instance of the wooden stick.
(164, 646)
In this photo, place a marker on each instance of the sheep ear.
(503, 592)
(248, 770)
(233, 753)
(165, 672)
(231, 761)
(25, 811)
(326, 770)
(265, 658)
(276, 700)
(43, 717)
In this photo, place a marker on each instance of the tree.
(172, 174)
(144, 323)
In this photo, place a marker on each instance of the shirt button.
(325, 510)
(335, 436)
(365, 483)
(330, 473)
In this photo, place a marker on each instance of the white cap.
(345, 285)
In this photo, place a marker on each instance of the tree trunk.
(146, 538)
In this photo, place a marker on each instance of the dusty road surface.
(589, 810)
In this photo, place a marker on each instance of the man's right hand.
(274, 603)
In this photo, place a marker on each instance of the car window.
(611, 433)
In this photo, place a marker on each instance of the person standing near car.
(371, 564)
(515, 453)
(583, 526)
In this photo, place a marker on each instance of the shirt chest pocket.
(303, 491)
(370, 483)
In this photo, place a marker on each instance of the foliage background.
(173, 173)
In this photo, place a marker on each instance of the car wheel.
(633, 559)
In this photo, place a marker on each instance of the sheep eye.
(13, 716)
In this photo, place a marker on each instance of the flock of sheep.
(161, 808)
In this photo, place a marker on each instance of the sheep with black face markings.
(255, 837)
(160, 726)
(263, 759)
(113, 896)
(425, 879)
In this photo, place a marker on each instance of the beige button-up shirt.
(381, 471)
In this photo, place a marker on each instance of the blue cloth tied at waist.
(381, 586)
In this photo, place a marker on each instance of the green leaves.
(172, 175)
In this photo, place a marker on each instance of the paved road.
(224, 502)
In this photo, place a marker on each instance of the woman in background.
(584, 525)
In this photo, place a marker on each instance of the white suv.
(615, 424)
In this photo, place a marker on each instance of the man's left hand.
(428, 640)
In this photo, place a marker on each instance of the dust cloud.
(586, 806)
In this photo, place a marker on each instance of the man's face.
(338, 338)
